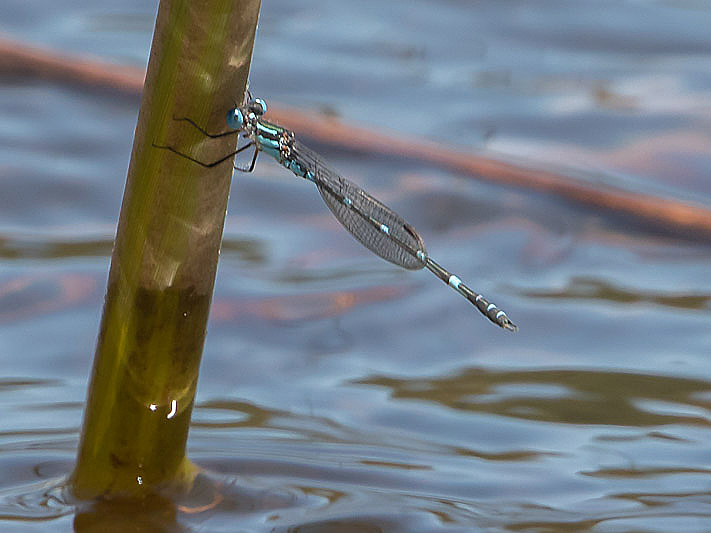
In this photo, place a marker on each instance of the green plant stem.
(165, 256)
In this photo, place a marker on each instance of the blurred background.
(339, 392)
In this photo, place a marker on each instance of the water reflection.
(338, 394)
(564, 396)
(600, 289)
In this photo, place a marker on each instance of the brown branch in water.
(693, 221)
(19, 59)
(679, 216)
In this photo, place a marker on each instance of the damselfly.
(375, 225)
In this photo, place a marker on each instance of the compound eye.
(235, 118)
(258, 107)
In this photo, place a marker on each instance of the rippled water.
(337, 392)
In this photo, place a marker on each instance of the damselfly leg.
(211, 164)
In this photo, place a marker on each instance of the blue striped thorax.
(269, 138)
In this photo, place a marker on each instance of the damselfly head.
(235, 118)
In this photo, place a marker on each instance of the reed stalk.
(145, 372)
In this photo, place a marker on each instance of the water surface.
(338, 392)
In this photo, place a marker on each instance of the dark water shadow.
(560, 396)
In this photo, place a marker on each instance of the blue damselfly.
(373, 224)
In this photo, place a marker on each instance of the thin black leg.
(254, 160)
(211, 135)
(214, 163)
